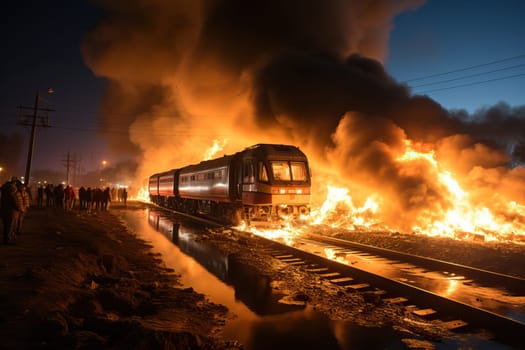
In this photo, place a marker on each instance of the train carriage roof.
(208, 164)
(261, 150)
(168, 172)
(276, 151)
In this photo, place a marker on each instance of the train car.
(153, 188)
(264, 182)
(206, 188)
(163, 188)
(168, 188)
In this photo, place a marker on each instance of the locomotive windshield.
(288, 171)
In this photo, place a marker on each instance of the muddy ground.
(81, 280)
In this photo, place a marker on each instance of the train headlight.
(299, 191)
(282, 191)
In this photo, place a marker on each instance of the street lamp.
(103, 163)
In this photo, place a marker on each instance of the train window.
(298, 171)
(263, 173)
(281, 170)
(248, 176)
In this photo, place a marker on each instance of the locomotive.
(264, 182)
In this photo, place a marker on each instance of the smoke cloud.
(183, 75)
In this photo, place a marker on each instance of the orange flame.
(142, 195)
(213, 149)
(338, 210)
(464, 217)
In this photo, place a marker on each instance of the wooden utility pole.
(34, 121)
(69, 162)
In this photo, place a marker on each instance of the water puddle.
(260, 321)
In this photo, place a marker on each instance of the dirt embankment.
(79, 280)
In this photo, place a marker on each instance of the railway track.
(463, 298)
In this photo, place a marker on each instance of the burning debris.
(194, 77)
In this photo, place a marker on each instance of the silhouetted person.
(11, 206)
(69, 197)
(89, 198)
(97, 198)
(59, 196)
(40, 196)
(124, 195)
(106, 198)
(82, 197)
(50, 195)
(24, 195)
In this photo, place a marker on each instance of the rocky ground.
(82, 280)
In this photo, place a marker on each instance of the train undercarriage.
(233, 213)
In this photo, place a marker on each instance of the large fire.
(464, 219)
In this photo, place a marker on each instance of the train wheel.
(236, 216)
(283, 212)
(303, 210)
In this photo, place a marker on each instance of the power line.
(124, 131)
(468, 76)
(473, 83)
(464, 68)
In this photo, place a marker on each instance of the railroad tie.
(358, 286)
(455, 324)
(298, 262)
(283, 256)
(329, 274)
(424, 312)
(317, 269)
(398, 300)
(342, 280)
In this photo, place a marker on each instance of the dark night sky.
(41, 49)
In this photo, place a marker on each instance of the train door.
(238, 181)
(248, 175)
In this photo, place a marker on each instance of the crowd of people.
(15, 200)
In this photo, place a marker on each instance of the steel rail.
(505, 330)
(513, 284)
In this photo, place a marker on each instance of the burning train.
(264, 182)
